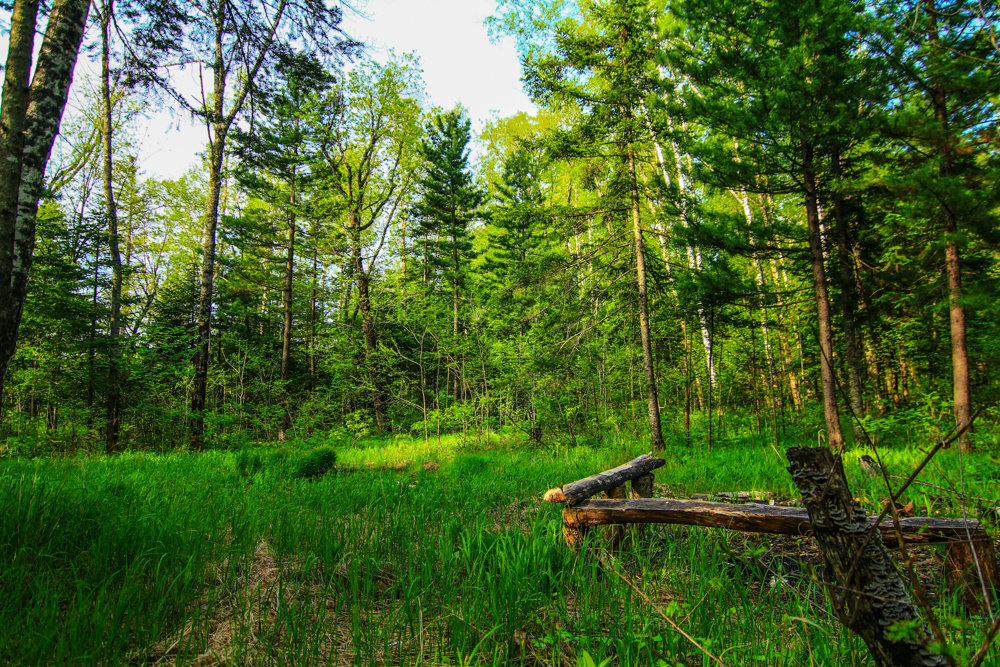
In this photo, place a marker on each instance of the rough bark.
(759, 518)
(642, 486)
(199, 391)
(13, 112)
(219, 127)
(834, 436)
(579, 491)
(46, 99)
(858, 564)
(12, 124)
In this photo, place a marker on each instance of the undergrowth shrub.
(315, 463)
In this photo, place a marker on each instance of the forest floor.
(425, 553)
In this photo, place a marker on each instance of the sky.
(460, 65)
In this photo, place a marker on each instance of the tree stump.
(642, 487)
(867, 592)
(964, 563)
(613, 535)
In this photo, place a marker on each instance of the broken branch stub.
(876, 605)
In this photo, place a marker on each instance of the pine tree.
(602, 63)
(275, 154)
(449, 201)
(235, 39)
(945, 77)
(789, 85)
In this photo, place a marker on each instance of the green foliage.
(448, 200)
(112, 559)
(439, 295)
(315, 463)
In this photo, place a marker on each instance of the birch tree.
(30, 114)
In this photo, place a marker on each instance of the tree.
(448, 202)
(30, 114)
(105, 14)
(602, 62)
(945, 77)
(275, 154)
(367, 160)
(234, 40)
(788, 84)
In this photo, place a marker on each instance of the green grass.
(405, 553)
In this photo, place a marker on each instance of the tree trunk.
(114, 372)
(868, 592)
(744, 199)
(13, 118)
(786, 359)
(30, 132)
(457, 378)
(648, 362)
(849, 304)
(953, 268)
(835, 438)
(693, 254)
(368, 327)
(217, 142)
(313, 313)
(92, 348)
(576, 492)
(286, 331)
(204, 323)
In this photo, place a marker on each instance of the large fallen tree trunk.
(755, 518)
(866, 590)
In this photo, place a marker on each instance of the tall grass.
(406, 553)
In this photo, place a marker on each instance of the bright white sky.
(460, 65)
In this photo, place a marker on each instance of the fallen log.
(577, 492)
(755, 518)
(736, 496)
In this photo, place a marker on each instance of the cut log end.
(554, 496)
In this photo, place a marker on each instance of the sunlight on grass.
(406, 552)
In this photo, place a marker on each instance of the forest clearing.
(404, 553)
(720, 281)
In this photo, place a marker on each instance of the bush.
(316, 463)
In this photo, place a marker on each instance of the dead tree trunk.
(867, 592)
